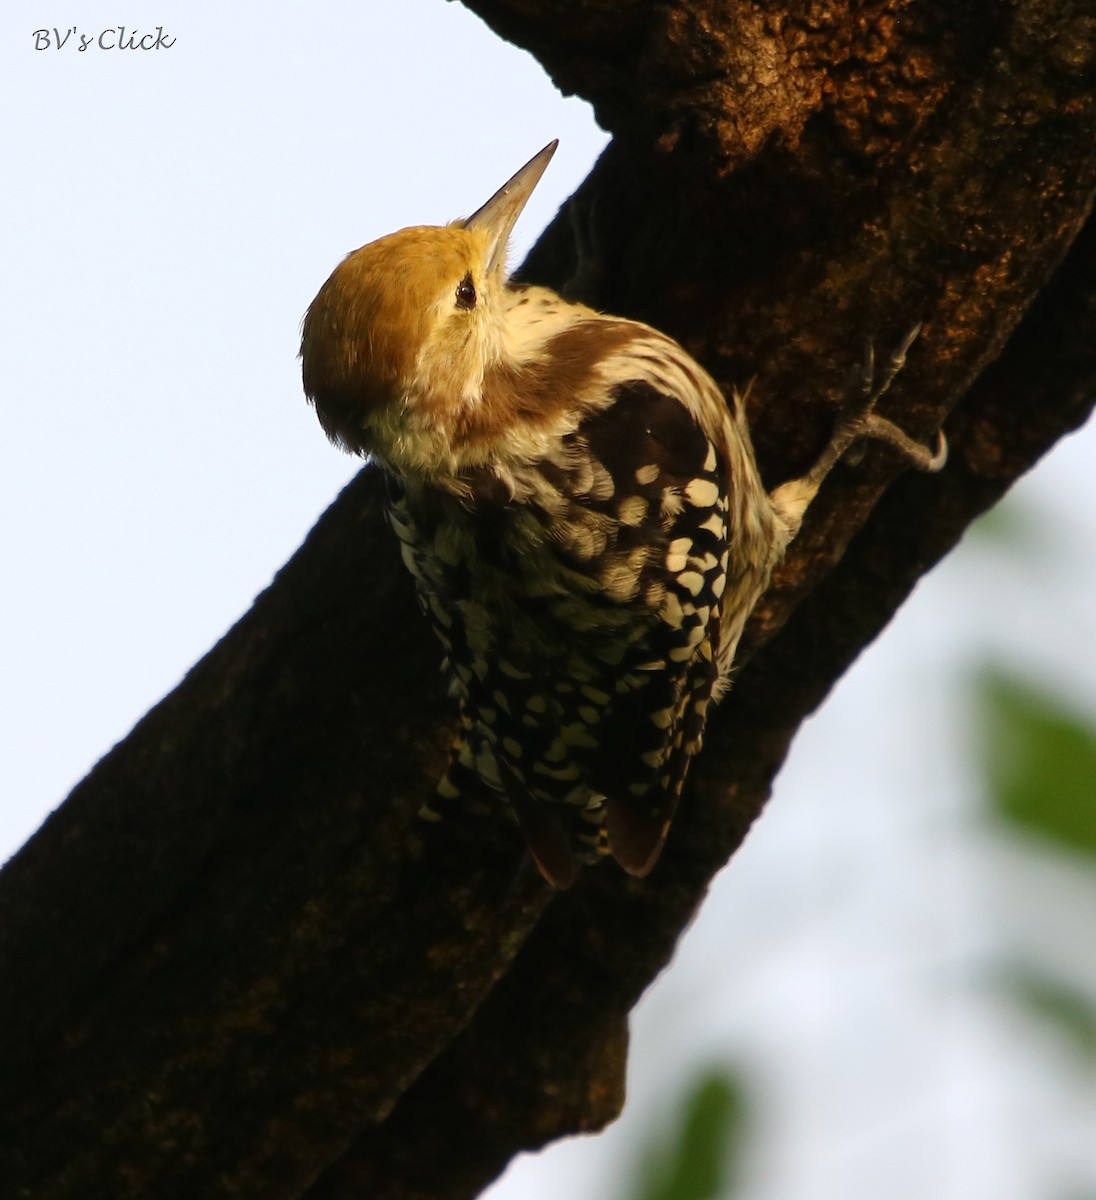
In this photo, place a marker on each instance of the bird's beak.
(499, 215)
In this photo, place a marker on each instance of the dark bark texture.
(233, 964)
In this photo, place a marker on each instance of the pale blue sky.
(173, 213)
(166, 218)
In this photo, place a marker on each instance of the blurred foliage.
(1011, 525)
(1064, 1007)
(698, 1159)
(1040, 762)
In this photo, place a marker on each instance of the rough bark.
(233, 964)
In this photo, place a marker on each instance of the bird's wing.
(668, 501)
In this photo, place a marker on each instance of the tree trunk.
(233, 963)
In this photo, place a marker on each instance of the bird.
(581, 511)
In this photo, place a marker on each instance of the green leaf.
(1040, 762)
(1067, 1008)
(697, 1161)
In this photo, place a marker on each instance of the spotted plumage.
(578, 598)
(581, 512)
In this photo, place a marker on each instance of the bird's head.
(404, 330)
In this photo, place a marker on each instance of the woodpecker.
(581, 511)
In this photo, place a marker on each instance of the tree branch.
(233, 964)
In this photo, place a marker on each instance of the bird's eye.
(466, 292)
